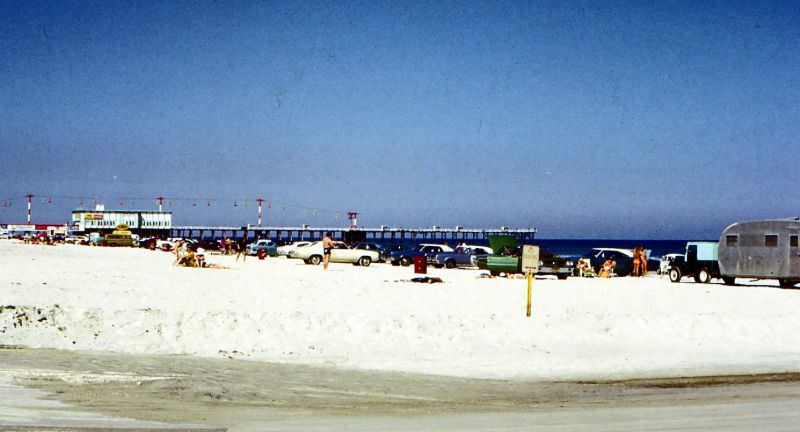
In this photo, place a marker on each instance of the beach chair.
(585, 268)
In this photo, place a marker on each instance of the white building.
(107, 220)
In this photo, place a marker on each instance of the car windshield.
(592, 253)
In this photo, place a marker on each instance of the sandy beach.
(135, 301)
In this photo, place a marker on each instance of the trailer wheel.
(675, 275)
(729, 280)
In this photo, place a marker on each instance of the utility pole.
(260, 204)
(353, 216)
(30, 198)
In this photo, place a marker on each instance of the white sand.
(135, 301)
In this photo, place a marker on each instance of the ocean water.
(577, 247)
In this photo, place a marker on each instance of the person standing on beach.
(643, 263)
(242, 249)
(327, 248)
(636, 261)
(178, 251)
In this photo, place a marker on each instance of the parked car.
(166, 245)
(341, 253)
(663, 267)
(463, 256)
(148, 242)
(266, 245)
(507, 258)
(287, 248)
(623, 258)
(118, 238)
(76, 239)
(207, 244)
(373, 247)
(699, 261)
(405, 257)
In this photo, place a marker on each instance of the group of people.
(189, 257)
(230, 247)
(608, 267)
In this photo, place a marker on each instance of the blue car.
(264, 244)
(464, 256)
(406, 256)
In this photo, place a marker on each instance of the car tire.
(675, 275)
(314, 259)
(364, 261)
(562, 277)
(450, 264)
(786, 283)
(702, 276)
(395, 263)
(405, 261)
(494, 272)
(729, 280)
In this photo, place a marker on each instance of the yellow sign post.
(530, 292)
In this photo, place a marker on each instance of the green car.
(507, 259)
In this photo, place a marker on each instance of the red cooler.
(421, 264)
(262, 253)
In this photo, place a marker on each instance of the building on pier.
(142, 222)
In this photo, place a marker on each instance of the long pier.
(382, 234)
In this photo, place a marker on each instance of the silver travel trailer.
(765, 249)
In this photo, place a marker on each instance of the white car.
(76, 239)
(482, 249)
(291, 247)
(312, 254)
(665, 261)
(160, 244)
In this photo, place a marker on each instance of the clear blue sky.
(660, 120)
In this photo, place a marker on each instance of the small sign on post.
(530, 266)
(530, 259)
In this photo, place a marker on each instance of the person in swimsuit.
(327, 247)
(607, 269)
(637, 254)
(241, 249)
(643, 262)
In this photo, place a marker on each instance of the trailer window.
(732, 240)
(771, 240)
(793, 241)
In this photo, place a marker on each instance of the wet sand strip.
(224, 392)
(105, 429)
(701, 381)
